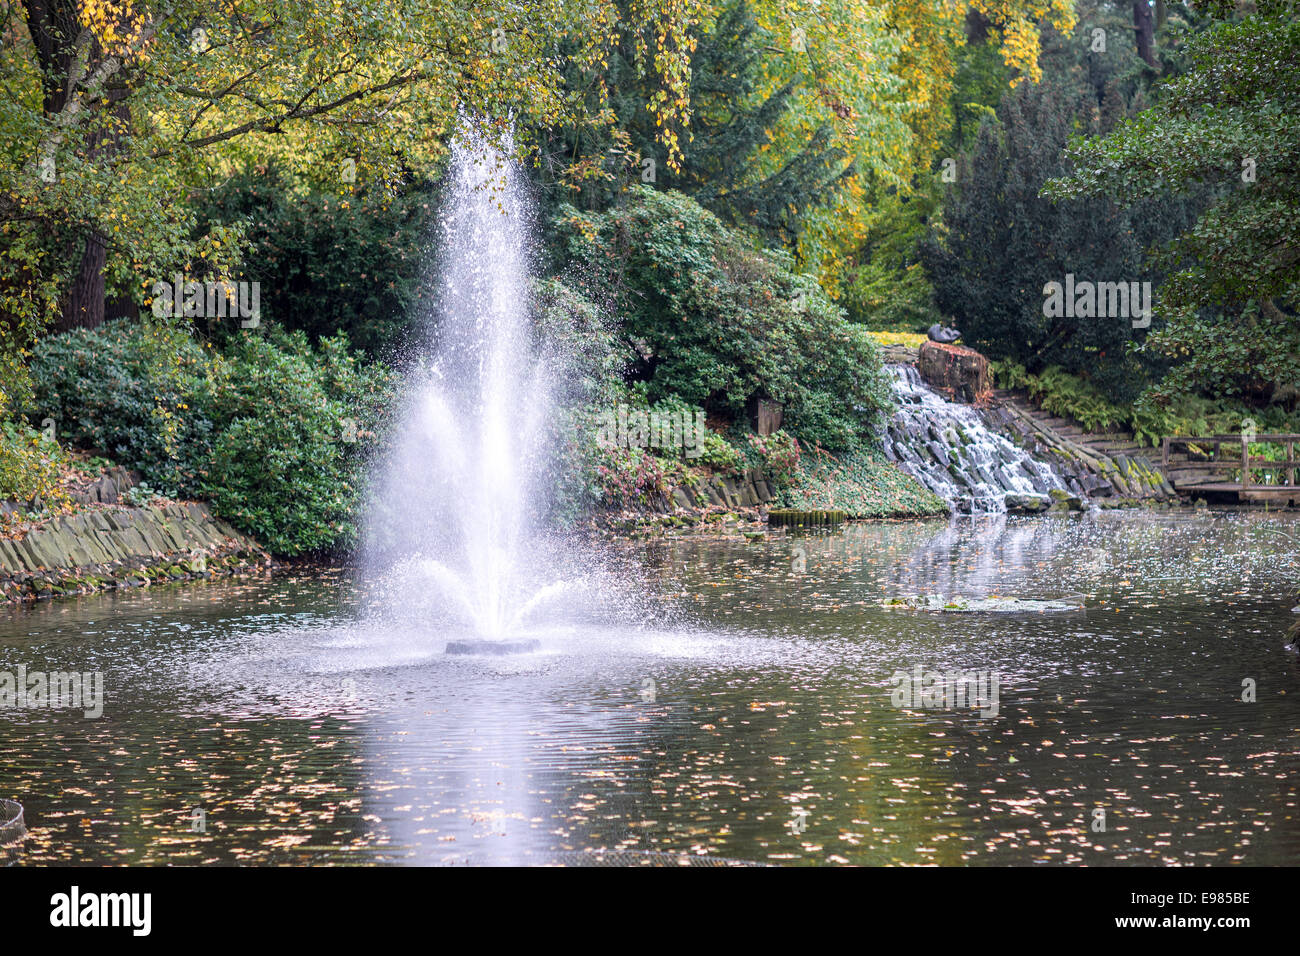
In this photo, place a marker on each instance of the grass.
(865, 485)
(912, 340)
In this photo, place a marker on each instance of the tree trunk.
(83, 305)
(1144, 26)
(54, 26)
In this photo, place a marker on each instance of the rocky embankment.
(106, 544)
(748, 490)
(1090, 467)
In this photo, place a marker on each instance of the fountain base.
(493, 647)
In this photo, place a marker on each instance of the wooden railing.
(1237, 457)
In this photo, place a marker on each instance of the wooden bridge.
(1222, 467)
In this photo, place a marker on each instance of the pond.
(754, 722)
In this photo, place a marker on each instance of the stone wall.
(748, 491)
(706, 500)
(115, 546)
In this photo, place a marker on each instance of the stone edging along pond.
(699, 501)
(109, 547)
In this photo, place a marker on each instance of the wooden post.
(1164, 455)
(1245, 463)
(1290, 460)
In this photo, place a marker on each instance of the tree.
(1230, 124)
(1000, 242)
(730, 127)
(801, 112)
(115, 112)
(1144, 31)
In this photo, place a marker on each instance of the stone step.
(1128, 445)
(1109, 438)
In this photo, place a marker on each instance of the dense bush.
(328, 264)
(273, 432)
(142, 395)
(719, 455)
(632, 477)
(716, 322)
(292, 426)
(778, 456)
(594, 476)
(580, 343)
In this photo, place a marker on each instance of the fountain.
(457, 518)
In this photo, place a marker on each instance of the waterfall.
(949, 448)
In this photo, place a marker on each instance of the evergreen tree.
(730, 123)
(1001, 243)
(1228, 127)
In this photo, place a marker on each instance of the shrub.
(778, 456)
(719, 455)
(30, 465)
(274, 433)
(591, 476)
(288, 463)
(1154, 415)
(330, 264)
(631, 476)
(141, 394)
(715, 322)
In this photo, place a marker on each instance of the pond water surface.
(758, 725)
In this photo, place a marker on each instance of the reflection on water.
(764, 731)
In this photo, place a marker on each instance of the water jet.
(458, 530)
